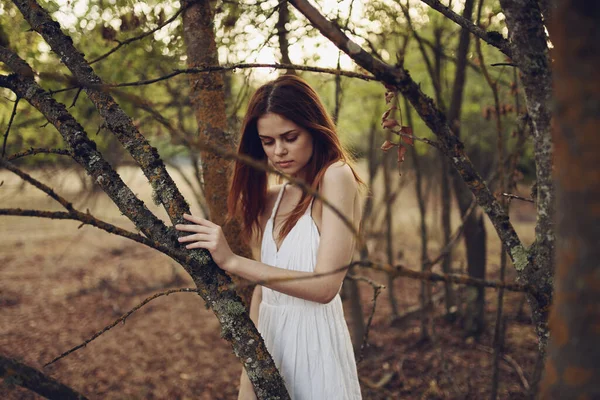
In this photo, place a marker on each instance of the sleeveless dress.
(309, 341)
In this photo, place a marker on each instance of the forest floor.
(60, 284)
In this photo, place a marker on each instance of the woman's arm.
(246, 389)
(335, 249)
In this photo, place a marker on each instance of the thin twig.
(86, 219)
(12, 117)
(233, 67)
(26, 177)
(454, 237)
(493, 38)
(121, 319)
(139, 37)
(514, 196)
(510, 361)
(400, 270)
(365, 279)
(376, 293)
(38, 150)
(76, 97)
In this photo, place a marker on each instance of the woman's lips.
(285, 164)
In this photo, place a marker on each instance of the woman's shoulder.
(339, 176)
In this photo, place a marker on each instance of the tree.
(211, 280)
(572, 368)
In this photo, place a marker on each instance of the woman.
(301, 320)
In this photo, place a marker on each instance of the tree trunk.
(283, 17)
(530, 53)
(389, 239)
(474, 233)
(207, 96)
(572, 367)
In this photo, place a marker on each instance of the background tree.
(572, 368)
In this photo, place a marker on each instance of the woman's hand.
(209, 236)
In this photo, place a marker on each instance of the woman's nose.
(280, 149)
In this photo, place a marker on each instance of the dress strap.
(309, 209)
(276, 206)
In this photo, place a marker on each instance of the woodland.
(473, 123)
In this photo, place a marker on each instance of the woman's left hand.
(209, 236)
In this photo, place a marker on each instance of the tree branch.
(10, 121)
(38, 150)
(116, 120)
(26, 177)
(451, 146)
(218, 68)
(30, 378)
(139, 37)
(492, 38)
(122, 319)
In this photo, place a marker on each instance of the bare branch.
(437, 121)
(363, 346)
(10, 121)
(38, 150)
(28, 178)
(17, 373)
(88, 219)
(514, 196)
(116, 119)
(493, 38)
(122, 319)
(400, 270)
(139, 37)
(84, 151)
(218, 68)
(457, 233)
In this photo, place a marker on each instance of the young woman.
(301, 320)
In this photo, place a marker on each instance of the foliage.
(245, 34)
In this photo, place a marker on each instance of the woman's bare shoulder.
(338, 176)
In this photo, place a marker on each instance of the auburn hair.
(292, 98)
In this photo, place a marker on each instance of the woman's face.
(288, 146)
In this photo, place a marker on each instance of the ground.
(60, 284)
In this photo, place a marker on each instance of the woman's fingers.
(195, 237)
(193, 228)
(199, 220)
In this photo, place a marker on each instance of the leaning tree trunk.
(572, 367)
(213, 283)
(207, 96)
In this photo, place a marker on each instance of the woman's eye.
(291, 139)
(265, 143)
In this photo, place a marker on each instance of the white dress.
(309, 341)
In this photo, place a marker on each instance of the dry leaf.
(389, 123)
(408, 131)
(401, 153)
(387, 145)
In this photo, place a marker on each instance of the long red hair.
(292, 98)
